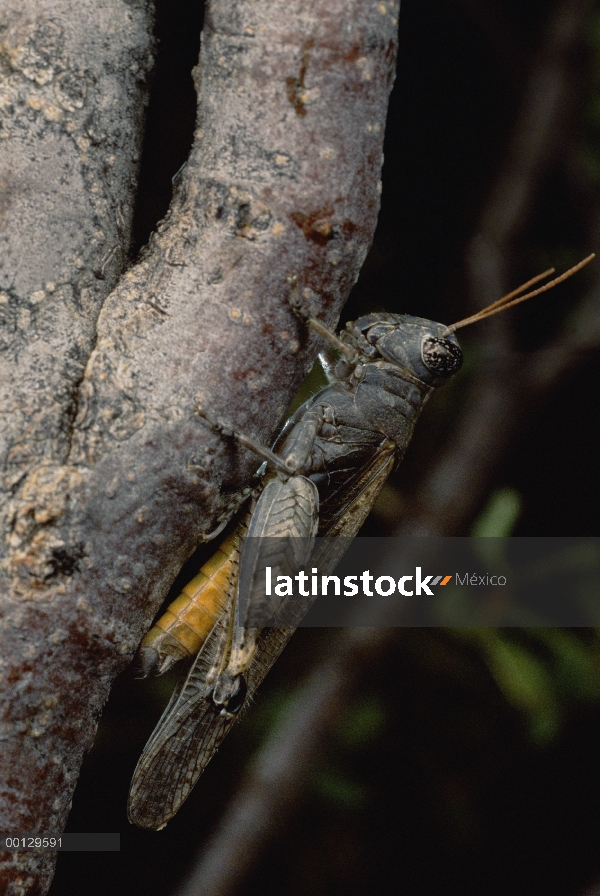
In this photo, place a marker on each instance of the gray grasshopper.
(324, 475)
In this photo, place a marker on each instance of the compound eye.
(440, 356)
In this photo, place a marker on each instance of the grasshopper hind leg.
(229, 693)
(231, 688)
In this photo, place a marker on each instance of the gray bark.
(72, 98)
(108, 476)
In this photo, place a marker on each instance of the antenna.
(505, 302)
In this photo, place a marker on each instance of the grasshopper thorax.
(422, 347)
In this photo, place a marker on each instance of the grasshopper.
(322, 478)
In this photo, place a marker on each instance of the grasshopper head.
(422, 347)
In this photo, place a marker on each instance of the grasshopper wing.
(342, 519)
(192, 726)
(280, 536)
(189, 733)
(178, 750)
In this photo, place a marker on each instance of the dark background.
(465, 761)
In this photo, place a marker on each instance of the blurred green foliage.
(499, 518)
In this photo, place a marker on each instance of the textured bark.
(72, 97)
(283, 179)
(71, 107)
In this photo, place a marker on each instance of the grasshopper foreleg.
(227, 432)
(301, 311)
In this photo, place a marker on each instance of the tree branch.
(283, 179)
(72, 97)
